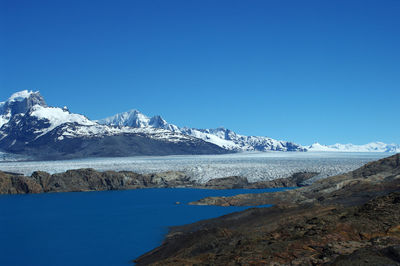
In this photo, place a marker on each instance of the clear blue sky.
(305, 71)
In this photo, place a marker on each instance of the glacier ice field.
(256, 166)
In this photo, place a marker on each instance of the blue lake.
(97, 228)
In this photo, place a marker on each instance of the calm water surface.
(97, 228)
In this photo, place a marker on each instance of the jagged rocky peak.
(21, 102)
(136, 119)
(157, 122)
(132, 118)
(221, 136)
(223, 133)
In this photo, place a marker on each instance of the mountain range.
(230, 140)
(369, 147)
(29, 126)
(221, 137)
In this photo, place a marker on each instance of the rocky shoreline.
(349, 219)
(92, 180)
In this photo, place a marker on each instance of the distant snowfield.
(369, 147)
(255, 166)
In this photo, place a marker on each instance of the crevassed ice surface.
(255, 166)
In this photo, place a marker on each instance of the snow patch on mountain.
(56, 116)
(4, 119)
(21, 95)
(226, 144)
(97, 130)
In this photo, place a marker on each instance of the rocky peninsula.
(349, 219)
(92, 180)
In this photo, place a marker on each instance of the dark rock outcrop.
(17, 184)
(227, 183)
(92, 180)
(311, 235)
(295, 180)
(88, 180)
(350, 219)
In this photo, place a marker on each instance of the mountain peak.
(133, 111)
(131, 118)
(21, 95)
(157, 121)
(19, 103)
(26, 97)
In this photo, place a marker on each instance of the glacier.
(256, 166)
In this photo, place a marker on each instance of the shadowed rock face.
(17, 107)
(351, 219)
(50, 147)
(17, 184)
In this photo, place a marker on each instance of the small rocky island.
(349, 219)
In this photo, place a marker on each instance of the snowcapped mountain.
(19, 102)
(136, 119)
(29, 126)
(131, 118)
(228, 139)
(222, 137)
(370, 147)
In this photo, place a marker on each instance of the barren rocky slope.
(350, 219)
